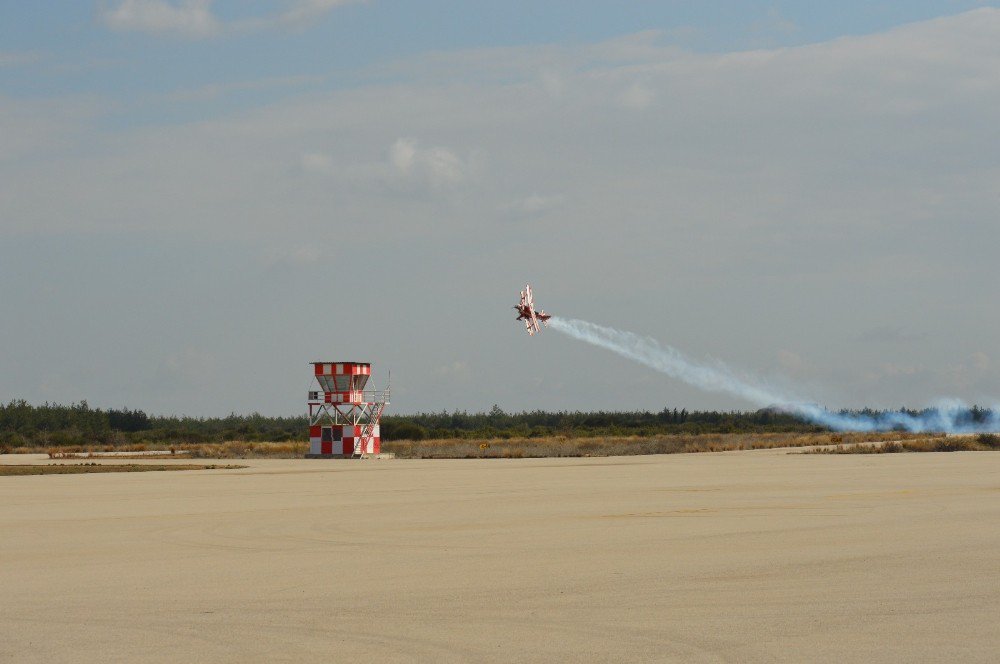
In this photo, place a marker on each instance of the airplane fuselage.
(524, 313)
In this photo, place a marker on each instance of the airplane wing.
(526, 311)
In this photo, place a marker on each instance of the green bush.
(403, 431)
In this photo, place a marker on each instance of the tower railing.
(366, 396)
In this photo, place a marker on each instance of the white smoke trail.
(951, 416)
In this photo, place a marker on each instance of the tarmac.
(762, 556)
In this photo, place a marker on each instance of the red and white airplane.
(526, 312)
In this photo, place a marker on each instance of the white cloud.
(407, 166)
(438, 167)
(308, 10)
(787, 198)
(403, 154)
(804, 138)
(444, 167)
(189, 18)
(194, 18)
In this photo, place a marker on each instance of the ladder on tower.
(366, 432)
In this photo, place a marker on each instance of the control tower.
(344, 416)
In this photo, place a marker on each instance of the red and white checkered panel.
(372, 443)
(341, 440)
(342, 368)
(342, 377)
(352, 396)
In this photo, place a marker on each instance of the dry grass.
(77, 468)
(60, 454)
(565, 446)
(983, 442)
(560, 446)
(55, 452)
(231, 449)
(238, 449)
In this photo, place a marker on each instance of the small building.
(343, 416)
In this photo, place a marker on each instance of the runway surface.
(730, 557)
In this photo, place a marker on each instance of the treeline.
(52, 425)
(539, 423)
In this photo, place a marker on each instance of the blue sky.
(198, 198)
(76, 53)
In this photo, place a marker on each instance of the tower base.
(379, 455)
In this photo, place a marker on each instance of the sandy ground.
(734, 557)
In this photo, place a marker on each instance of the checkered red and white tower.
(343, 416)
